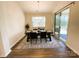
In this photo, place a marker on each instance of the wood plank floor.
(58, 52)
(41, 53)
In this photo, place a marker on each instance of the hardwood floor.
(55, 52)
(41, 53)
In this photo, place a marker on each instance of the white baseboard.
(7, 53)
(17, 40)
(72, 49)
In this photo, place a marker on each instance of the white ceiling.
(42, 6)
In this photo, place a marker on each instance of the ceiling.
(42, 6)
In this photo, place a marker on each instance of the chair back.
(43, 34)
(33, 35)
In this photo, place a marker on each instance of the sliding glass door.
(64, 24)
(61, 24)
(57, 25)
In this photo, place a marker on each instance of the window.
(38, 21)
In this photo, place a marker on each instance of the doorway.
(61, 24)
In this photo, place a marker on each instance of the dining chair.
(33, 37)
(43, 36)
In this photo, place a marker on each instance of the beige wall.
(1, 47)
(49, 20)
(12, 25)
(15, 22)
(73, 28)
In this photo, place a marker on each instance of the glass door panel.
(57, 25)
(64, 24)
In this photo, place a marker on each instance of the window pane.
(38, 21)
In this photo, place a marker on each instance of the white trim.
(17, 41)
(72, 49)
(7, 53)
